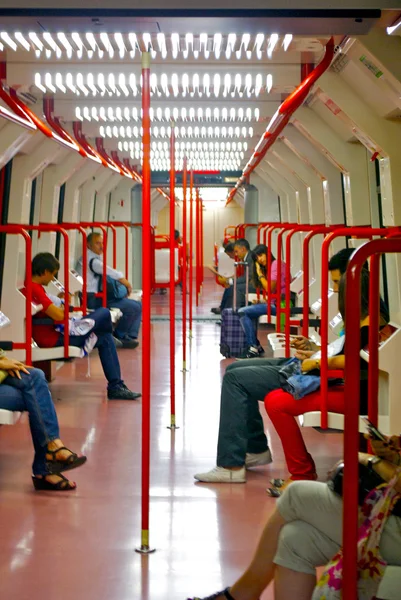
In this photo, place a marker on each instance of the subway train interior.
(139, 147)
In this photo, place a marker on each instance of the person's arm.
(385, 469)
(97, 267)
(13, 367)
(39, 296)
(334, 363)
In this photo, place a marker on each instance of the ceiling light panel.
(158, 114)
(205, 85)
(198, 132)
(127, 46)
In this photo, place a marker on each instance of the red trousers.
(282, 409)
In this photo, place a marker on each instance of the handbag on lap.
(115, 289)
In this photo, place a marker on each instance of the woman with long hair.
(250, 314)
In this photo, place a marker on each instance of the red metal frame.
(201, 270)
(45, 228)
(48, 109)
(184, 266)
(352, 390)
(172, 276)
(357, 232)
(282, 116)
(27, 345)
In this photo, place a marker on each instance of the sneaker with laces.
(121, 392)
(223, 594)
(257, 460)
(252, 352)
(222, 475)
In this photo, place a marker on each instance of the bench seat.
(9, 417)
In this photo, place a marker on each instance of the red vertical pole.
(184, 267)
(374, 319)
(197, 224)
(172, 278)
(191, 248)
(201, 244)
(144, 548)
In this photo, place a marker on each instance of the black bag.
(368, 481)
(115, 289)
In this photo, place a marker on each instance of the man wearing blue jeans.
(44, 268)
(248, 315)
(127, 329)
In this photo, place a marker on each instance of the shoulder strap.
(99, 277)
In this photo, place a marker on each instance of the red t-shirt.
(44, 335)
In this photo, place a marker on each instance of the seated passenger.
(44, 268)
(282, 407)
(242, 442)
(242, 251)
(305, 532)
(248, 314)
(224, 281)
(26, 389)
(127, 329)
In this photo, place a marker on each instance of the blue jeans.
(105, 344)
(128, 325)
(247, 314)
(31, 393)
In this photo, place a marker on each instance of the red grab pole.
(184, 267)
(146, 339)
(172, 278)
(191, 247)
(201, 244)
(197, 226)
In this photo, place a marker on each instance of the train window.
(344, 203)
(32, 205)
(60, 214)
(94, 208)
(5, 183)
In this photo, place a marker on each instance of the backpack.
(115, 289)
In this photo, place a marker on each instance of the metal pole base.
(172, 423)
(184, 367)
(145, 550)
(190, 334)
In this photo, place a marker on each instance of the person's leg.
(109, 359)
(282, 409)
(31, 393)
(248, 315)
(241, 389)
(257, 362)
(227, 299)
(128, 325)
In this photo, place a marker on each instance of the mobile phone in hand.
(373, 431)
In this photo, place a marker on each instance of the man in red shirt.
(44, 268)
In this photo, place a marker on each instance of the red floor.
(80, 545)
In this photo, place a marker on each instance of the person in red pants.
(282, 407)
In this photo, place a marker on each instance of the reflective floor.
(81, 545)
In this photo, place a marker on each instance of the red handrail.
(357, 232)
(282, 116)
(352, 392)
(291, 232)
(48, 109)
(27, 345)
(47, 227)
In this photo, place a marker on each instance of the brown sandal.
(41, 483)
(55, 466)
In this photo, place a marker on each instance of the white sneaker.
(221, 475)
(257, 460)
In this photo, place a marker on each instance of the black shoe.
(218, 322)
(117, 342)
(122, 393)
(261, 350)
(216, 311)
(129, 343)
